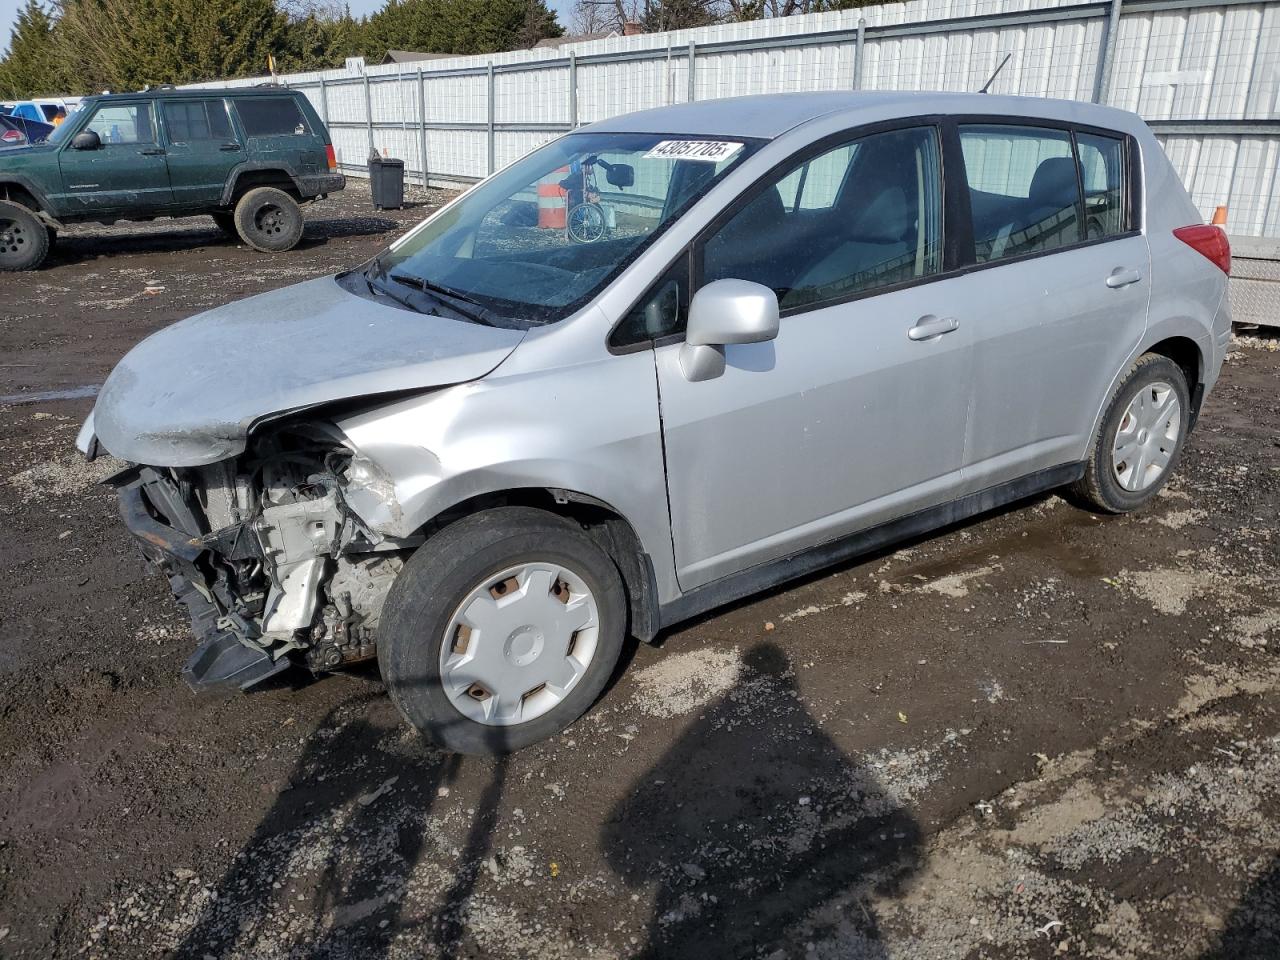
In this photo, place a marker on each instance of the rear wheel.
(501, 630)
(1140, 439)
(24, 240)
(268, 220)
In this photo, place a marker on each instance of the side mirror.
(86, 140)
(723, 312)
(621, 175)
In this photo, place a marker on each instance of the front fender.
(592, 429)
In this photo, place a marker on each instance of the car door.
(202, 150)
(1067, 278)
(855, 413)
(126, 172)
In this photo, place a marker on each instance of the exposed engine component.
(267, 548)
(349, 620)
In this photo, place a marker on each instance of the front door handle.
(229, 146)
(1120, 277)
(153, 152)
(930, 327)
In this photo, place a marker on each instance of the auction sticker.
(712, 151)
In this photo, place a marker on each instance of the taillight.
(13, 136)
(331, 157)
(1210, 241)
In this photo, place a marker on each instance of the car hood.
(188, 394)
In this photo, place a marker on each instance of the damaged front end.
(272, 565)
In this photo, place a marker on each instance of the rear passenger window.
(190, 120)
(1023, 191)
(271, 116)
(864, 215)
(1102, 171)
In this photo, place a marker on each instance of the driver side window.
(122, 123)
(862, 215)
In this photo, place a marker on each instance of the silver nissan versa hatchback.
(655, 366)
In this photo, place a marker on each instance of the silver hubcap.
(518, 643)
(1147, 437)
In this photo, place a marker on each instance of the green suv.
(246, 157)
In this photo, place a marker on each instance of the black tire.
(1100, 488)
(24, 240)
(269, 220)
(226, 222)
(434, 584)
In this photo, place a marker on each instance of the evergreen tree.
(28, 67)
(458, 26)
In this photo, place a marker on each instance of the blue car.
(19, 132)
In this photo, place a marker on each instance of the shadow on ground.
(752, 820)
(73, 247)
(749, 823)
(1253, 929)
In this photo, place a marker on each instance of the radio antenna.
(992, 79)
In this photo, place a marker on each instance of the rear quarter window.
(271, 117)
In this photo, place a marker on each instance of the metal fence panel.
(1217, 60)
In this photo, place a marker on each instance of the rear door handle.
(1120, 277)
(930, 327)
(229, 146)
(153, 152)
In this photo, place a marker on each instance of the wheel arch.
(1181, 339)
(248, 176)
(605, 524)
(22, 191)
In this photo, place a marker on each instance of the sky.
(9, 12)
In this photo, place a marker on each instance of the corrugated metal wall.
(1169, 61)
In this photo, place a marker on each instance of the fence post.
(404, 116)
(422, 124)
(857, 54)
(693, 91)
(324, 103)
(573, 90)
(368, 116)
(490, 158)
(1106, 59)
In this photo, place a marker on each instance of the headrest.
(886, 219)
(1054, 183)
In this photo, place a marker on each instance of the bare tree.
(601, 16)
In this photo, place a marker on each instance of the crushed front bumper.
(222, 660)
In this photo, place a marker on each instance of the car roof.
(189, 92)
(768, 116)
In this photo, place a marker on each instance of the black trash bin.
(386, 182)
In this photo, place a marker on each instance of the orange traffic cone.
(1220, 217)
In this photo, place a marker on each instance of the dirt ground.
(1040, 734)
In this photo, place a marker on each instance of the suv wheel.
(24, 240)
(226, 222)
(501, 630)
(268, 220)
(1140, 439)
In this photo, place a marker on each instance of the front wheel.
(268, 220)
(1140, 439)
(501, 630)
(24, 240)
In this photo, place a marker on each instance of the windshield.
(545, 235)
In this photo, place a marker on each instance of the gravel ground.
(1040, 734)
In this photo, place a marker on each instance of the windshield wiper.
(435, 289)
